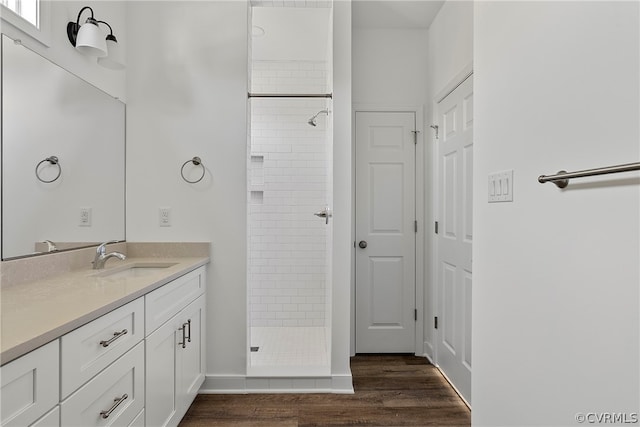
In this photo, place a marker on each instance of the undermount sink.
(135, 270)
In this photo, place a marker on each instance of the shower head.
(312, 120)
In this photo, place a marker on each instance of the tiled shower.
(289, 177)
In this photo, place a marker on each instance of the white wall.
(61, 52)
(450, 51)
(342, 207)
(389, 67)
(556, 272)
(187, 96)
(450, 43)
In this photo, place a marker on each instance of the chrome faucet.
(51, 247)
(102, 256)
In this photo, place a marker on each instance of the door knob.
(362, 244)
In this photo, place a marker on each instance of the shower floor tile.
(289, 346)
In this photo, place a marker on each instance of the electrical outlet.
(165, 217)
(85, 217)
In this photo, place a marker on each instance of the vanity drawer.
(92, 347)
(163, 303)
(30, 386)
(117, 393)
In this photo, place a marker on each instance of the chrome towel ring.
(54, 161)
(196, 162)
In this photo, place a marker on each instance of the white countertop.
(38, 312)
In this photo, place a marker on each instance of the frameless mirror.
(63, 158)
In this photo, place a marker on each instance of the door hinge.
(415, 314)
(415, 136)
(435, 322)
(415, 226)
(436, 227)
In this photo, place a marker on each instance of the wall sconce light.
(90, 41)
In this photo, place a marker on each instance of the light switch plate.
(501, 187)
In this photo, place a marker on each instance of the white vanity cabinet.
(140, 364)
(175, 351)
(30, 388)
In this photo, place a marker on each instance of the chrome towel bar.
(561, 179)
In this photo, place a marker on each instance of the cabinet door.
(113, 397)
(161, 375)
(138, 420)
(30, 386)
(52, 419)
(191, 358)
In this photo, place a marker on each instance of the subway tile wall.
(288, 177)
(308, 77)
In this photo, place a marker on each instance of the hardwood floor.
(390, 390)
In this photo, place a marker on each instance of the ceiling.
(396, 14)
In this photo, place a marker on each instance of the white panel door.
(385, 232)
(455, 235)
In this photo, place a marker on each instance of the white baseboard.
(428, 351)
(238, 384)
(453, 387)
(428, 357)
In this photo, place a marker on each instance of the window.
(29, 17)
(27, 9)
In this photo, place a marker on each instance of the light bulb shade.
(115, 58)
(90, 40)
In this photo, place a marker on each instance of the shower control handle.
(325, 213)
(362, 244)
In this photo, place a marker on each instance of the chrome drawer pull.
(116, 335)
(116, 402)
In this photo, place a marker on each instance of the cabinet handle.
(116, 335)
(116, 402)
(189, 326)
(184, 335)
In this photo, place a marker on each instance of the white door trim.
(419, 199)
